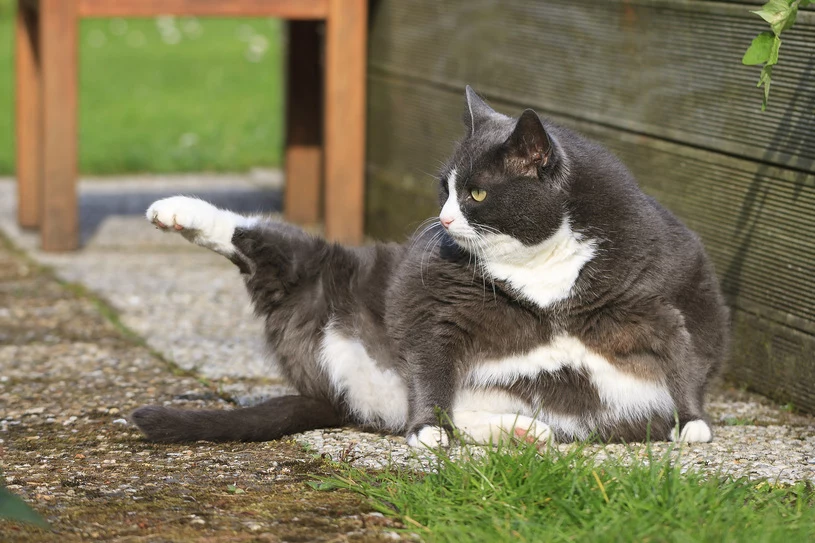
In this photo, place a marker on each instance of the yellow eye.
(478, 194)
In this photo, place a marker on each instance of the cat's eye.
(478, 194)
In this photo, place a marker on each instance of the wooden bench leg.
(345, 60)
(28, 119)
(58, 49)
(303, 124)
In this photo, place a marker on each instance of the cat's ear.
(529, 146)
(477, 111)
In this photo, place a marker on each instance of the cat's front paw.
(428, 437)
(695, 431)
(181, 214)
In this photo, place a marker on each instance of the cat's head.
(506, 178)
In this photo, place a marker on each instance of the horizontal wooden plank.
(774, 360)
(284, 9)
(394, 209)
(670, 69)
(755, 219)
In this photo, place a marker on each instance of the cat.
(550, 300)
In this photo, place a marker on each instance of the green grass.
(521, 495)
(168, 95)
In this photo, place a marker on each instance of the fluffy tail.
(269, 420)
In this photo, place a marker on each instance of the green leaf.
(232, 489)
(793, 14)
(760, 50)
(15, 509)
(774, 51)
(779, 13)
(765, 79)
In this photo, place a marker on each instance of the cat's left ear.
(478, 112)
(529, 145)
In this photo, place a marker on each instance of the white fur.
(489, 416)
(544, 273)
(484, 416)
(485, 428)
(451, 210)
(492, 401)
(624, 396)
(429, 437)
(695, 431)
(200, 222)
(376, 396)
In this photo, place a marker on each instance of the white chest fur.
(544, 273)
(623, 395)
(375, 395)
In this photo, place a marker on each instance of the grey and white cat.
(551, 299)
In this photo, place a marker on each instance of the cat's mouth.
(458, 229)
(464, 236)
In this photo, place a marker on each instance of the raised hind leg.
(248, 242)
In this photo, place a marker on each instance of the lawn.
(517, 494)
(168, 94)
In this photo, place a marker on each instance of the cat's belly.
(603, 396)
(375, 395)
(573, 389)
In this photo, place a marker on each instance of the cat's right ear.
(529, 148)
(477, 111)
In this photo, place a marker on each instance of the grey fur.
(648, 301)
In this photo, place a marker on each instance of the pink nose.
(446, 221)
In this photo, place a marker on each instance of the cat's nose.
(446, 221)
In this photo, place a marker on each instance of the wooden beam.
(304, 156)
(284, 9)
(58, 57)
(345, 54)
(28, 119)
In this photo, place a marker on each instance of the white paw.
(198, 221)
(695, 431)
(429, 437)
(529, 430)
(485, 428)
(181, 213)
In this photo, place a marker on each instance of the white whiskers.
(477, 246)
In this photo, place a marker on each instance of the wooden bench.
(325, 112)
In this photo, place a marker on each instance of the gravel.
(190, 306)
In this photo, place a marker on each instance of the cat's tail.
(269, 420)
